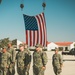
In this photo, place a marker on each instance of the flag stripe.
(34, 38)
(30, 38)
(26, 37)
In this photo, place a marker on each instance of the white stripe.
(35, 38)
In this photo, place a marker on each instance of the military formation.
(9, 58)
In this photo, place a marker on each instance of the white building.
(64, 45)
(18, 42)
(60, 45)
(51, 46)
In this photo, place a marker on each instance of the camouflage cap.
(4, 47)
(21, 45)
(56, 49)
(39, 45)
(25, 44)
(10, 42)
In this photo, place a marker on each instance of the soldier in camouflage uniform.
(20, 56)
(39, 61)
(0, 59)
(5, 61)
(57, 62)
(11, 50)
(27, 59)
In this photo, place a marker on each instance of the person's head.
(25, 46)
(21, 47)
(9, 44)
(4, 49)
(38, 47)
(56, 50)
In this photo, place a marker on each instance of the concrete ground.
(68, 65)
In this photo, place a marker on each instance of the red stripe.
(40, 38)
(30, 38)
(26, 37)
(34, 38)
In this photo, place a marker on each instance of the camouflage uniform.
(39, 61)
(12, 66)
(57, 63)
(0, 61)
(27, 61)
(5, 63)
(20, 56)
(45, 60)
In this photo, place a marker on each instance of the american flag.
(35, 27)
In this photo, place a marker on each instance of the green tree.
(14, 42)
(4, 42)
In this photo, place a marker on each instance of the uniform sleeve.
(53, 60)
(44, 58)
(28, 57)
(29, 53)
(16, 57)
(60, 59)
(0, 57)
(13, 55)
(9, 59)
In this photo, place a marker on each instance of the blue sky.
(59, 14)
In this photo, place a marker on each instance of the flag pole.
(44, 5)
